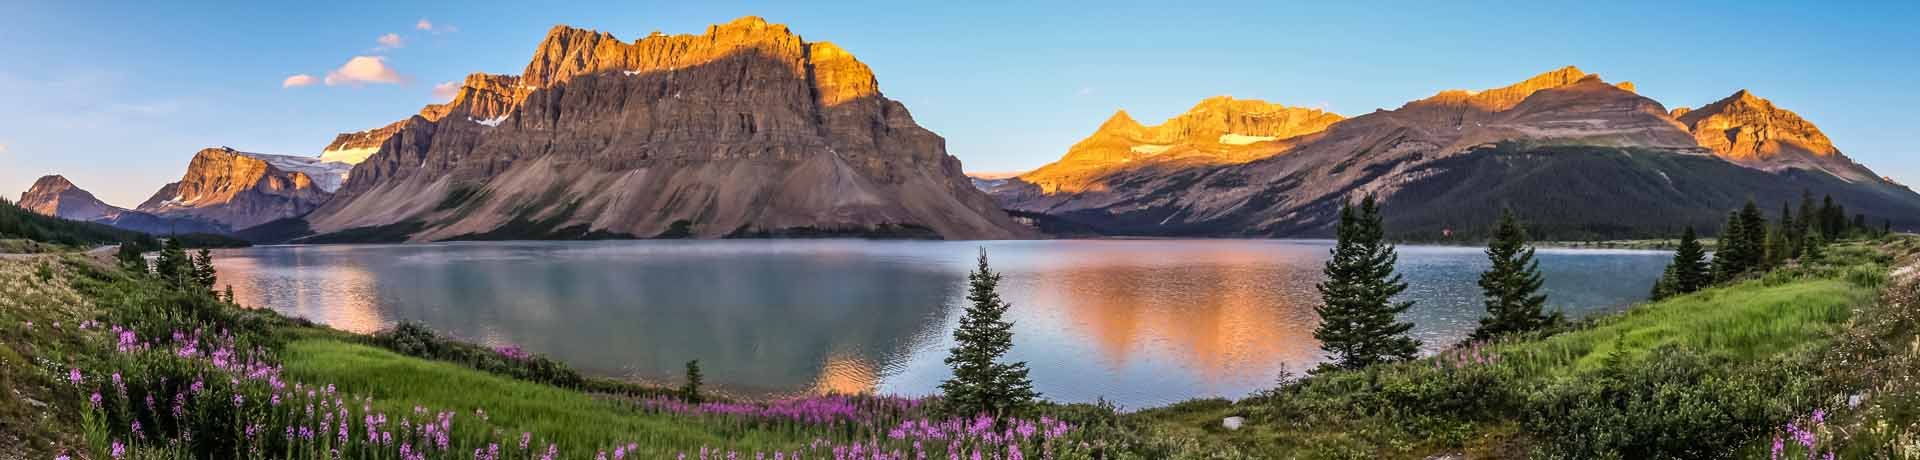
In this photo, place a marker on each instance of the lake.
(1137, 322)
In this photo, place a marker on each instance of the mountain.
(1218, 130)
(55, 196)
(1749, 130)
(1552, 144)
(243, 189)
(744, 130)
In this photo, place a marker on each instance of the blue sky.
(118, 97)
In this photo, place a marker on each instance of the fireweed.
(196, 393)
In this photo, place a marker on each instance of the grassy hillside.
(1725, 370)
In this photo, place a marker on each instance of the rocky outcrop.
(1746, 129)
(55, 196)
(240, 189)
(1454, 137)
(1218, 130)
(744, 130)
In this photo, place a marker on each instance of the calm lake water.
(1141, 323)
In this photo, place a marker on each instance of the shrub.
(1676, 403)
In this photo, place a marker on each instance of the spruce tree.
(1789, 233)
(1814, 248)
(1809, 216)
(1689, 270)
(131, 259)
(1742, 244)
(1359, 323)
(1776, 247)
(981, 384)
(1512, 284)
(1829, 219)
(691, 391)
(203, 272)
(174, 265)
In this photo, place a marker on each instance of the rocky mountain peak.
(1743, 127)
(1217, 130)
(241, 189)
(54, 195)
(742, 129)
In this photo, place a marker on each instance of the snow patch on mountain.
(326, 174)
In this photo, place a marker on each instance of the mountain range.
(747, 130)
(1582, 158)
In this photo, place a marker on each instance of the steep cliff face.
(57, 197)
(744, 130)
(1218, 130)
(1746, 129)
(1430, 145)
(239, 189)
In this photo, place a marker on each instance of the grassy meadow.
(1806, 360)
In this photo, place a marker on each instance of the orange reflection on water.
(340, 295)
(1229, 316)
(847, 375)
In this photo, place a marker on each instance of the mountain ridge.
(744, 130)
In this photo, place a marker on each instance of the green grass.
(569, 418)
(1747, 321)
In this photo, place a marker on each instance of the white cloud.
(3, 149)
(297, 81)
(364, 70)
(390, 41)
(436, 29)
(446, 91)
(1087, 91)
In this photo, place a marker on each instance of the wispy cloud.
(297, 81)
(446, 91)
(362, 70)
(390, 41)
(429, 26)
(3, 150)
(1085, 91)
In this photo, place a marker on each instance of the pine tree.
(1815, 247)
(1776, 247)
(174, 265)
(230, 295)
(981, 384)
(203, 272)
(1809, 216)
(1689, 270)
(691, 391)
(131, 259)
(1789, 233)
(1358, 318)
(1829, 222)
(1512, 284)
(1742, 244)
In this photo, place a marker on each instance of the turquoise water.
(1138, 322)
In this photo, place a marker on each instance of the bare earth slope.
(744, 130)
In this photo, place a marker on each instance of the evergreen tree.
(981, 384)
(1358, 318)
(1512, 284)
(1859, 224)
(691, 391)
(131, 259)
(1789, 233)
(1689, 270)
(230, 295)
(1886, 227)
(1776, 247)
(203, 272)
(174, 265)
(1815, 247)
(1829, 223)
(1809, 216)
(1742, 244)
